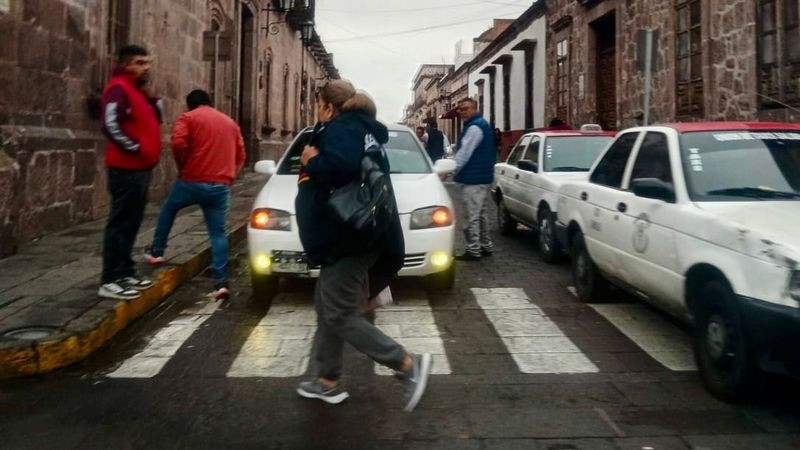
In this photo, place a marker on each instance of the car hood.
(773, 223)
(413, 191)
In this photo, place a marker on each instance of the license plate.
(289, 262)
(290, 267)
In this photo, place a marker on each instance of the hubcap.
(544, 235)
(716, 337)
(582, 268)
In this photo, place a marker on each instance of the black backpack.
(366, 205)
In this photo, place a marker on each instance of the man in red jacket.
(209, 150)
(131, 122)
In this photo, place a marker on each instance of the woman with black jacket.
(351, 271)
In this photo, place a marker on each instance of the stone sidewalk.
(50, 314)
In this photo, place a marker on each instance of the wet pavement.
(520, 363)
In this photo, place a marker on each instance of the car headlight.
(270, 219)
(794, 285)
(431, 217)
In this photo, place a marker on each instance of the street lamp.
(277, 6)
(307, 31)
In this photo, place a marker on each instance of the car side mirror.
(444, 166)
(267, 167)
(653, 188)
(527, 165)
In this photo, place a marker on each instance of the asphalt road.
(519, 363)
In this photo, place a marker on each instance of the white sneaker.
(115, 291)
(135, 283)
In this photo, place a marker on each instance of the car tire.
(590, 285)
(549, 248)
(721, 347)
(265, 287)
(443, 280)
(505, 223)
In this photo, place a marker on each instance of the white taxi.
(526, 184)
(702, 221)
(426, 213)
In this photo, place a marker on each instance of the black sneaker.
(487, 252)
(467, 257)
(138, 284)
(315, 389)
(416, 380)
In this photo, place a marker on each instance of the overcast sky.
(384, 65)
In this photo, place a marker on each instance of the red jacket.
(207, 146)
(132, 123)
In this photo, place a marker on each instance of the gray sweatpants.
(341, 289)
(476, 217)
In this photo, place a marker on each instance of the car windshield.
(572, 153)
(405, 155)
(729, 166)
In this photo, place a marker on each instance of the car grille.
(414, 260)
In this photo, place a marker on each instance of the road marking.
(659, 338)
(411, 323)
(280, 345)
(164, 344)
(535, 342)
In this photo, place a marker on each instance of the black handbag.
(366, 205)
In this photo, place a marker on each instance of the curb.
(68, 347)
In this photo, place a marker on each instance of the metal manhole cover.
(30, 333)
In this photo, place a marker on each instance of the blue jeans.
(214, 199)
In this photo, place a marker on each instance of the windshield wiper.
(569, 169)
(754, 192)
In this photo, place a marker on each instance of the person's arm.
(115, 113)
(341, 158)
(241, 156)
(181, 140)
(471, 140)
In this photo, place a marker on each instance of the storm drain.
(30, 333)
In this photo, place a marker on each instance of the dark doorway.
(246, 70)
(605, 32)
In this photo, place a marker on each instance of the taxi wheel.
(264, 286)
(589, 283)
(442, 280)
(549, 249)
(505, 223)
(720, 344)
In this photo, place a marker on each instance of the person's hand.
(309, 152)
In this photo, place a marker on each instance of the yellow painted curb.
(32, 358)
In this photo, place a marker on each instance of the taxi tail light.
(431, 217)
(270, 219)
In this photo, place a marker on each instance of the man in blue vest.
(475, 158)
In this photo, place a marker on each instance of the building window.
(481, 99)
(297, 102)
(507, 97)
(528, 89)
(286, 92)
(119, 23)
(779, 53)
(689, 55)
(562, 79)
(267, 89)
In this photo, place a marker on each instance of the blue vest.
(480, 167)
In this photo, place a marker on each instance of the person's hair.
(432, 122)
(127, 52)
(361, 101)
(420, 128)
(556, 122)
(197, 98)
(469, 100)
(337, 93)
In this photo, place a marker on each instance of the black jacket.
(341, 144)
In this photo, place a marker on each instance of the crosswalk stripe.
(660, 339)
(534, 341)
(280, 345)
(164, 344)
(411, 323)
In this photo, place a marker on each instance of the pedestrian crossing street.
(280, 345)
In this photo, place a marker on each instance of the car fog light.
(440, 259)
(262, 263)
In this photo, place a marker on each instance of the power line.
(427, 8)
(414, 30)
(356, 36)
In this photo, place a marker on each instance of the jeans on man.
(341, 289)
(476, 199)
(128, 189)
(213, 199)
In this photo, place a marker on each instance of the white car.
(425, 208)
(527, 182)
(702, 221)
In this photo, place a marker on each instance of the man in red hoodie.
(209, 151)
(131, 122)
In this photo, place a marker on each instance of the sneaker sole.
(140, 288)
(336, 399)
(114, 296)
(422, 383)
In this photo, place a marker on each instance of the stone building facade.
(55, 57)
(713, 60)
